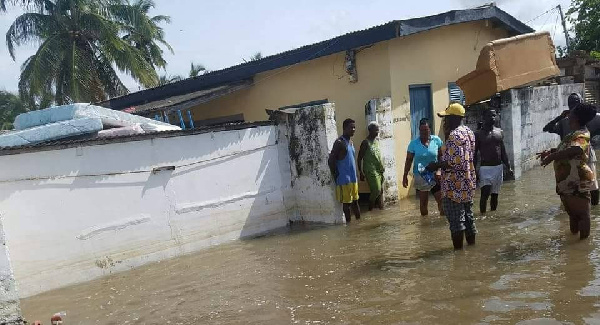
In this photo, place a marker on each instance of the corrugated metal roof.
(353, 40)
(188, 100)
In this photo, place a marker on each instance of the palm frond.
(27, 28)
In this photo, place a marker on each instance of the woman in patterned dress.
(574, 177)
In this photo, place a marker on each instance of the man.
(370, 166)
(560, 126)
(343, 167)
(458, 175)
(489, 142)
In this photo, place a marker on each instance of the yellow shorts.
(347, 193)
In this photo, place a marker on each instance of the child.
(574, 177)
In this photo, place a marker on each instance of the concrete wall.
(525, 112)
(75, 214)
(523, 115)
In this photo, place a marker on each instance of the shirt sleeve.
(411, 147)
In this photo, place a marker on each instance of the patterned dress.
(459, 181)
(574, 176)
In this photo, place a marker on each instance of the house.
(582, 68)
(412, 62)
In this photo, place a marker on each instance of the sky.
(222, 33)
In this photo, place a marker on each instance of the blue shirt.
(347, 166)
(424, 155)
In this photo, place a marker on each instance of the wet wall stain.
(307, 129)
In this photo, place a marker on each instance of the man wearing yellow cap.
(458, 175)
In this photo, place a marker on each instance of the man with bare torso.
(489, 142)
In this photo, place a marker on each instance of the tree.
(196, 70)
(167, 79)
(255, 57)
(81, 44)
(585, 15)
(10, 106)
(142, 31)
(4, 3)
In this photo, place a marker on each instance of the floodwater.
(393, 267)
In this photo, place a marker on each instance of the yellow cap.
(455, 109)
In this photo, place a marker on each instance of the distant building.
(580, 67)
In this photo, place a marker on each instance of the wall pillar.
(380, 111)
(310, 133)
(511, 126)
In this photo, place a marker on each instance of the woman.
(423, 151)
(574, 177)
(370, 166)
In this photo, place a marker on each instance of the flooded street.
(393, 267)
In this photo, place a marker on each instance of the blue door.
(420, 107)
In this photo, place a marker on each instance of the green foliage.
(81, 44)
(255, 57)
(10, 106)
(195, 70)
(585, 17)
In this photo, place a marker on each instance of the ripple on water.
(496, 304)
(543, 321)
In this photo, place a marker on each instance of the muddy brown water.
(393, 267)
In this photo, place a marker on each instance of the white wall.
(524, 114)
(76, 214)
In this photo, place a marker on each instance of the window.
(456, 94)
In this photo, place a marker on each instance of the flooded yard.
(393, 267)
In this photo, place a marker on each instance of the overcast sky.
(221, 33)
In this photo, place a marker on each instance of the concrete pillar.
(310, 133)
(511, 126)
(10, 310)
(380, 111)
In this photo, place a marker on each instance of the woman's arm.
(568, 153)
(409, 161)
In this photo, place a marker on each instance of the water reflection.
(393, 267)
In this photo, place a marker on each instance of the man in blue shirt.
(342, 163)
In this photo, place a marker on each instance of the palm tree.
(166, 79)
(196, 70)
(80, 46)
(142, 31)
(3, 3)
